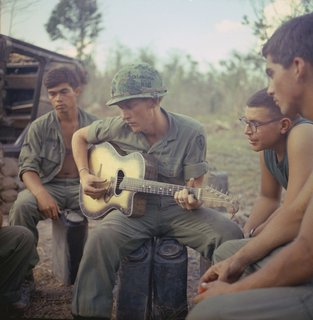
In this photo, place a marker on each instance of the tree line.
(218, 89)
(221, 89)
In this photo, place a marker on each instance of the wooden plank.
(21, 81)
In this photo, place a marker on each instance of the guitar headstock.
(213, 198)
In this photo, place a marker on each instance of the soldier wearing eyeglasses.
(271, 134)
(271, 277)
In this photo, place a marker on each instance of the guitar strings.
(169, 189)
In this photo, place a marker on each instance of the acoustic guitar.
(129, 177)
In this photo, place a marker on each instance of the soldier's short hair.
(293, 38)
(62, 75)
(262, 99)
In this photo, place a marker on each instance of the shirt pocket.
(50, 155)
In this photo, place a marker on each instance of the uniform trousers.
(17, 245)
(281, 303)
(24, 211)
(117, 235)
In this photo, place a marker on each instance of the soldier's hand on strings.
(94, 186)
(186, 199)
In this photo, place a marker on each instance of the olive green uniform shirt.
(181, 154)
(43, 150)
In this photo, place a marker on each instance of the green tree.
(76, 21)
(262, 26)
(237, 78)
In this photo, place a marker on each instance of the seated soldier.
(46, 164)
(279, 168)
(286, 154)
(178, 145)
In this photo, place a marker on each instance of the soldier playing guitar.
(178, 145)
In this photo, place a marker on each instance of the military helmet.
(136, 81)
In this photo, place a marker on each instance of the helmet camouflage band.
(136, 81)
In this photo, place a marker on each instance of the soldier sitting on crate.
(178, 144)
(46, 164)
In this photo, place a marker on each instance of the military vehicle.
(23, 98)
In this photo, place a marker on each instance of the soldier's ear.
(286, 124)
(300, 68)
(154, 102)
(78, 91)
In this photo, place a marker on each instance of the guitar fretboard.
(154, 187)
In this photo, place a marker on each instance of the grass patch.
(229, 151)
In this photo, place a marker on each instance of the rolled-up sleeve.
(29, 159)
(195, 164)
(196, 170)
(43, 151)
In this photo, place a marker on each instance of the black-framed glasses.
(253, 125)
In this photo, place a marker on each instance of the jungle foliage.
(199, 91)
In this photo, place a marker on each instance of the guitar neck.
(155, 187)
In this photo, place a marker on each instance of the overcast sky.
(208, 30)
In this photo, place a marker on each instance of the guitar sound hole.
(120, 176)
